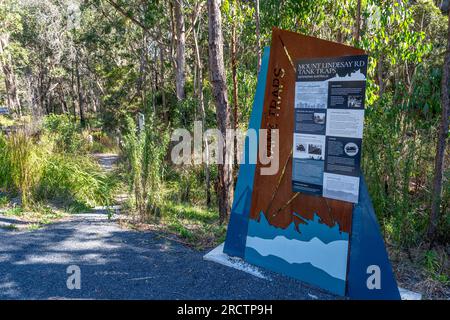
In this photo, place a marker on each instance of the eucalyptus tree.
(220, 94)
(442, 138)
(10, 23)
(181, 49)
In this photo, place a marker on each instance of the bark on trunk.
(380, 75)
(234, 78)
(31, 95)
(162, 83)
(219, 89)
(12, 97)
(203, 115)
(339, 36)
(258, 35)
(357, 21)
(73, 92)
(441, 144)
(142, 70)
(80, 90)
(181, 48)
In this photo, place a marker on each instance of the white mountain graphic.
(354, 76)
(329, 257)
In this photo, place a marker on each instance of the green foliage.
(20, 164)
(15, 212)
(43, 214)
(66, 132)
(144, 155)
(399, 169)
(38, 215)
(5, 166)
(187, 185)
(78, 207)
(76, 178)
(103, 143)
(401, 124)
(196, 225)
(46, 167)
(434, 264)
(180, 211)
(6, 121)
(4, 201)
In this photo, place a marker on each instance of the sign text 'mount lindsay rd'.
(328, 126)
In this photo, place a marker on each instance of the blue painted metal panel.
(366, 249)
(237, 227)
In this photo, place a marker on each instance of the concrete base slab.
(409, 295)
(217, 255)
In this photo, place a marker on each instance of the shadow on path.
(122, 264)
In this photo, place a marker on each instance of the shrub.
(6, 121)
(46, 167)
(5, 168)
(76, 179)
(399, 169)
(103, 143)
(67, 134)
(144, 155)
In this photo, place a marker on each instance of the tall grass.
(5, 176)
(76, 178)
(51, 164)
(144, 154)
(21, 164)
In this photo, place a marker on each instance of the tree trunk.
(80, 90)
(339, 36)
(173, 59)
(142, 70)
(380, 75)
(181, 48)
(203, 115)
(155, 77)
(73, 93)
(357, 21)
(31, 93)
(441, 144)
(234, 78)
(258, 35)
(219, 90)
(162, 85)
(12, 97)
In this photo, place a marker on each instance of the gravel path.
(106, 160)
(117, 263)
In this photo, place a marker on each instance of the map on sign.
(328, 126)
